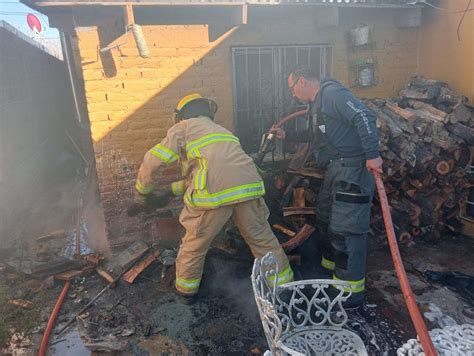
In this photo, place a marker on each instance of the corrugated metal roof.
(350, 3)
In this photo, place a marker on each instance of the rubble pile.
(426, 136)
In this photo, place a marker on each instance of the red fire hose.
(415, 314)
(52, 319)
(290, 117)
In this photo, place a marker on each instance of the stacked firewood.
(426, 135)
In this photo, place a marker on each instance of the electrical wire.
(462, 19)
(433, 6)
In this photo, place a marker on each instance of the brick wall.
(130, 99)
(35, 108)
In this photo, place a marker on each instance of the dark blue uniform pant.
(343, 206)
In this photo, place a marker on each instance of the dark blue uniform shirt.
(350, 126)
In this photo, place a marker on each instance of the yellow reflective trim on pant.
(207, 140)
(201, 175)
(284, 276)
(178, 188)
(328, 264)
(188, 285)
(164, 153)
(204, 199)
(357, 286)
(143, 189)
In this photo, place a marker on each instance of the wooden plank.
(298, 211)
(307, 173)
(407, 115)
(415, 104)
(300, 237)
(298, 198)
(283, 229)
(70, 275)
(25, 304)
(106, 275)
(135, 271)
(131, 254)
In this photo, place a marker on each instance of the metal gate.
(261, 95)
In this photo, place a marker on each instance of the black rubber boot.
(186, 298)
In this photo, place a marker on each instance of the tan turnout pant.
(202, 226)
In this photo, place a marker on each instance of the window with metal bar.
(261, 95)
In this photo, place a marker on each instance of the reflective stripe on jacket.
(216, 170)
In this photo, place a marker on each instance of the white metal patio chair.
(453, 340)
(303, 317)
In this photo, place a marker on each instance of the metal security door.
(261, 95)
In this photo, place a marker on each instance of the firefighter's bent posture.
(220, 182)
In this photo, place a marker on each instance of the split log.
(423, 155)
(441, 167)
(407, 115)
(25, 304)
(70, 275)
(135, 271)
(418, 81)
(427, 115)
(462, 131)
(310, 196)
(420, 93)
(106, 275)
(448, 96)
(405, 238)
(420, 125)
(386, 120)
(415, 104)
(283, 229)
(460, 172)
(307, 172)
(461, 113)
(298, 197)
(290, 211)
(444, 140)
(462, 155)
(300, 237)
(454, 225)
(405, 125)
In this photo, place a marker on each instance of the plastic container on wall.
(360, 35)
(366, 77)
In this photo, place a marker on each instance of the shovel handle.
(415, 314)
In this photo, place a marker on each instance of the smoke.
(232, 280)
(93, 216)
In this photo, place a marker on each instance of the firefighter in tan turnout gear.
(220, 183)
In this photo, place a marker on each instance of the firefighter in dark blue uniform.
(345, 141)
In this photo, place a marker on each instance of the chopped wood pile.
(425, 137)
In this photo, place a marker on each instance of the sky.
(13, 12)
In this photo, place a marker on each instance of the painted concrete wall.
(35, 108)
(443, 55)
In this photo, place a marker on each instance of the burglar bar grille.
(261, 95)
